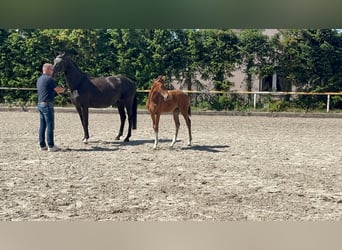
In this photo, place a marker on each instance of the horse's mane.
(70, 61)
(74, 64)
(77, 68)
(73, 67)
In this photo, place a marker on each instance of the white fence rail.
(254, 93)
(273, 93)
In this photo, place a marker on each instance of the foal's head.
(159, 87)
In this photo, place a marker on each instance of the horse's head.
(158, 86)
(59, 63)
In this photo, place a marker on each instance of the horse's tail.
(135, 111)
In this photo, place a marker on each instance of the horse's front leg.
(84, 114)
(177, 124)
(122, 114)
(155, 120)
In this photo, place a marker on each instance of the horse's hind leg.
(130, 121)
(84, 116)
(121, 109)
(134, 112)
(187, 119)
(177, 124)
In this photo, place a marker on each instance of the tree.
(24, 50)
(256, 54)
(3, 54)
(219, 56)
(311, 59)
(215, 56)
(173, 53)
(132, 56)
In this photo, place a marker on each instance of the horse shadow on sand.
(204, 148)
(106, 146)
(97, 147)
(207, 148)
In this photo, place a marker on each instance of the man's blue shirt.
(45, 88)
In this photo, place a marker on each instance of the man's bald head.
(47, 69)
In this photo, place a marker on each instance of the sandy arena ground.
(240, 168)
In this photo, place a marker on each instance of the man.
(46, 88)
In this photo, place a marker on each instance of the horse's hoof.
(85, 141)
(126, 140)
(117, 138)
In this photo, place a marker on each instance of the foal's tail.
(135, 111)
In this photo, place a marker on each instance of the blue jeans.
(47, 123)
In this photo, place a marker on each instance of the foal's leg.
(187, 119)
(177, 124)
(155, 121)
(121, 109)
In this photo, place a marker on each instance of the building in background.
(269, 83)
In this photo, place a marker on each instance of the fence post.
(328, 103)
(254, 101)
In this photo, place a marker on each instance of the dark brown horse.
(99, 92)
(161, 100)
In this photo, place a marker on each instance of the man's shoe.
(43, 148)
(54, 149)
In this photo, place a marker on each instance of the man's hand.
(59, 89)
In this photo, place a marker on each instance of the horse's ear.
(61, 54)
(161, 79)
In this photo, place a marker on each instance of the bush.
(309, 102)
(278, 106)
(205, 105)
(228, 102)
(336, 102)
